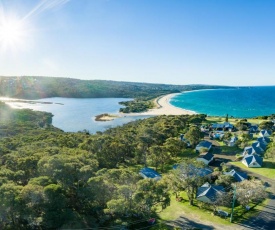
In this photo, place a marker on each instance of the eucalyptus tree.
(250, 191)
(188, 173)
(194, 135)
(159, 156)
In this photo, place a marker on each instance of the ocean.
(77, 114)
(243, 102)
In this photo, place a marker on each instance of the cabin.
(206, 158)
(209, 193)
(258, 146)
(226, 126)
(265, 133)
(250, 150)
(203, 172)
(252, 161)
(204, 144)
(148, 173)
(253, 129)
(238, 176)
(264, 140)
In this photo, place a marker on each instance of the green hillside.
(42, 87)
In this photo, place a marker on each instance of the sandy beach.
(165, 108)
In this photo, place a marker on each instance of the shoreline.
(163, 108)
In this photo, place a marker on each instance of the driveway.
(266, 218)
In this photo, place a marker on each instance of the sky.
(221, 42)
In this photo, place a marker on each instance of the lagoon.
(77, 114)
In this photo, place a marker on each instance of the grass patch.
(177, 209)
(268, 169)
(241, 215)
(233, 121)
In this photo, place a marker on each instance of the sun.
(12, 33)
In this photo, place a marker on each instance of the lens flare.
(13, 33)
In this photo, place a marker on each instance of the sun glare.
(12, 33)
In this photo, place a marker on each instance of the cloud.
(45, 5)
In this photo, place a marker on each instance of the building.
(250, 150)
(206, 158)
(238, 176)
(204, 144)
(253, 128)
(209, 193)
(252, 161)
(148, 173)
(265, 133)
(203, 172)
(226, 126)
(264, 140)
(258, 146)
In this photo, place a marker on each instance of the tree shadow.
(186, 223)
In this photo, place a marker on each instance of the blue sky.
(224, 42)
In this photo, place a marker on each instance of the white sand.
(165, 108)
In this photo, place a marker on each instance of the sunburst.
(13, 33)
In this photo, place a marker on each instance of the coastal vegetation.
(52, 179)
(105, 117)
(136, 106)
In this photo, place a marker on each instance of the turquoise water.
(73, 114)
(239, 102)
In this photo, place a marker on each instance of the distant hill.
(42, 87)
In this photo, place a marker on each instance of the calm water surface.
(73, 114)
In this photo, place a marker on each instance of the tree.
(242, 124)
(270, 153)
(149, 194)
(227, 135)
(174, 146)
(159, 156)
(55, 212)
(173, 183)
(193, 135)
(226, 118)
(223, 199)
(225, 180)
(33, 197)
(250, 191)
(243, 140)
(146, 139)
(189, 174)
(266, 125)
(11, 207)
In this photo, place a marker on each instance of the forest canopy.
(51, 179)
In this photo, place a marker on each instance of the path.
(266, 218)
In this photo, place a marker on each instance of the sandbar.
(163, 107)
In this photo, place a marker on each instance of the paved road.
(266, 218)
